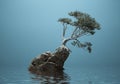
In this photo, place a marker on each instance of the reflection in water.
(61, 78)
(90, 82)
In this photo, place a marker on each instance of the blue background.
(30, 27)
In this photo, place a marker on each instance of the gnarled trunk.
(50, 63)
(65, 41)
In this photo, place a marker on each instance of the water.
(81, 75)
(30, 27)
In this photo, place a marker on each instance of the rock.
(48, 62)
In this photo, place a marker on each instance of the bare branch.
(64, 29)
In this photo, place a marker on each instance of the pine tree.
(83, 24)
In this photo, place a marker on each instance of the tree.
(83, 24)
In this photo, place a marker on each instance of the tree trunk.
(65, 41)
(50, 63)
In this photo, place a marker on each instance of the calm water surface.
(69, 76)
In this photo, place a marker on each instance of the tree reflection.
(57, 78)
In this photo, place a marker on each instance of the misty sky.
(30, 27)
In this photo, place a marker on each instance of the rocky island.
(49, 63)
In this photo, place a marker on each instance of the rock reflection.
(59, 78)
(90, 82)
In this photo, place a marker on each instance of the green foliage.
(65, 20)
(84, 21)
(83, 24)
(86, 45)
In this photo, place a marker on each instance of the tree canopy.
(83, 24)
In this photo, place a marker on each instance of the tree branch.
(79, 34)
(64, 30)
(74, 32)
